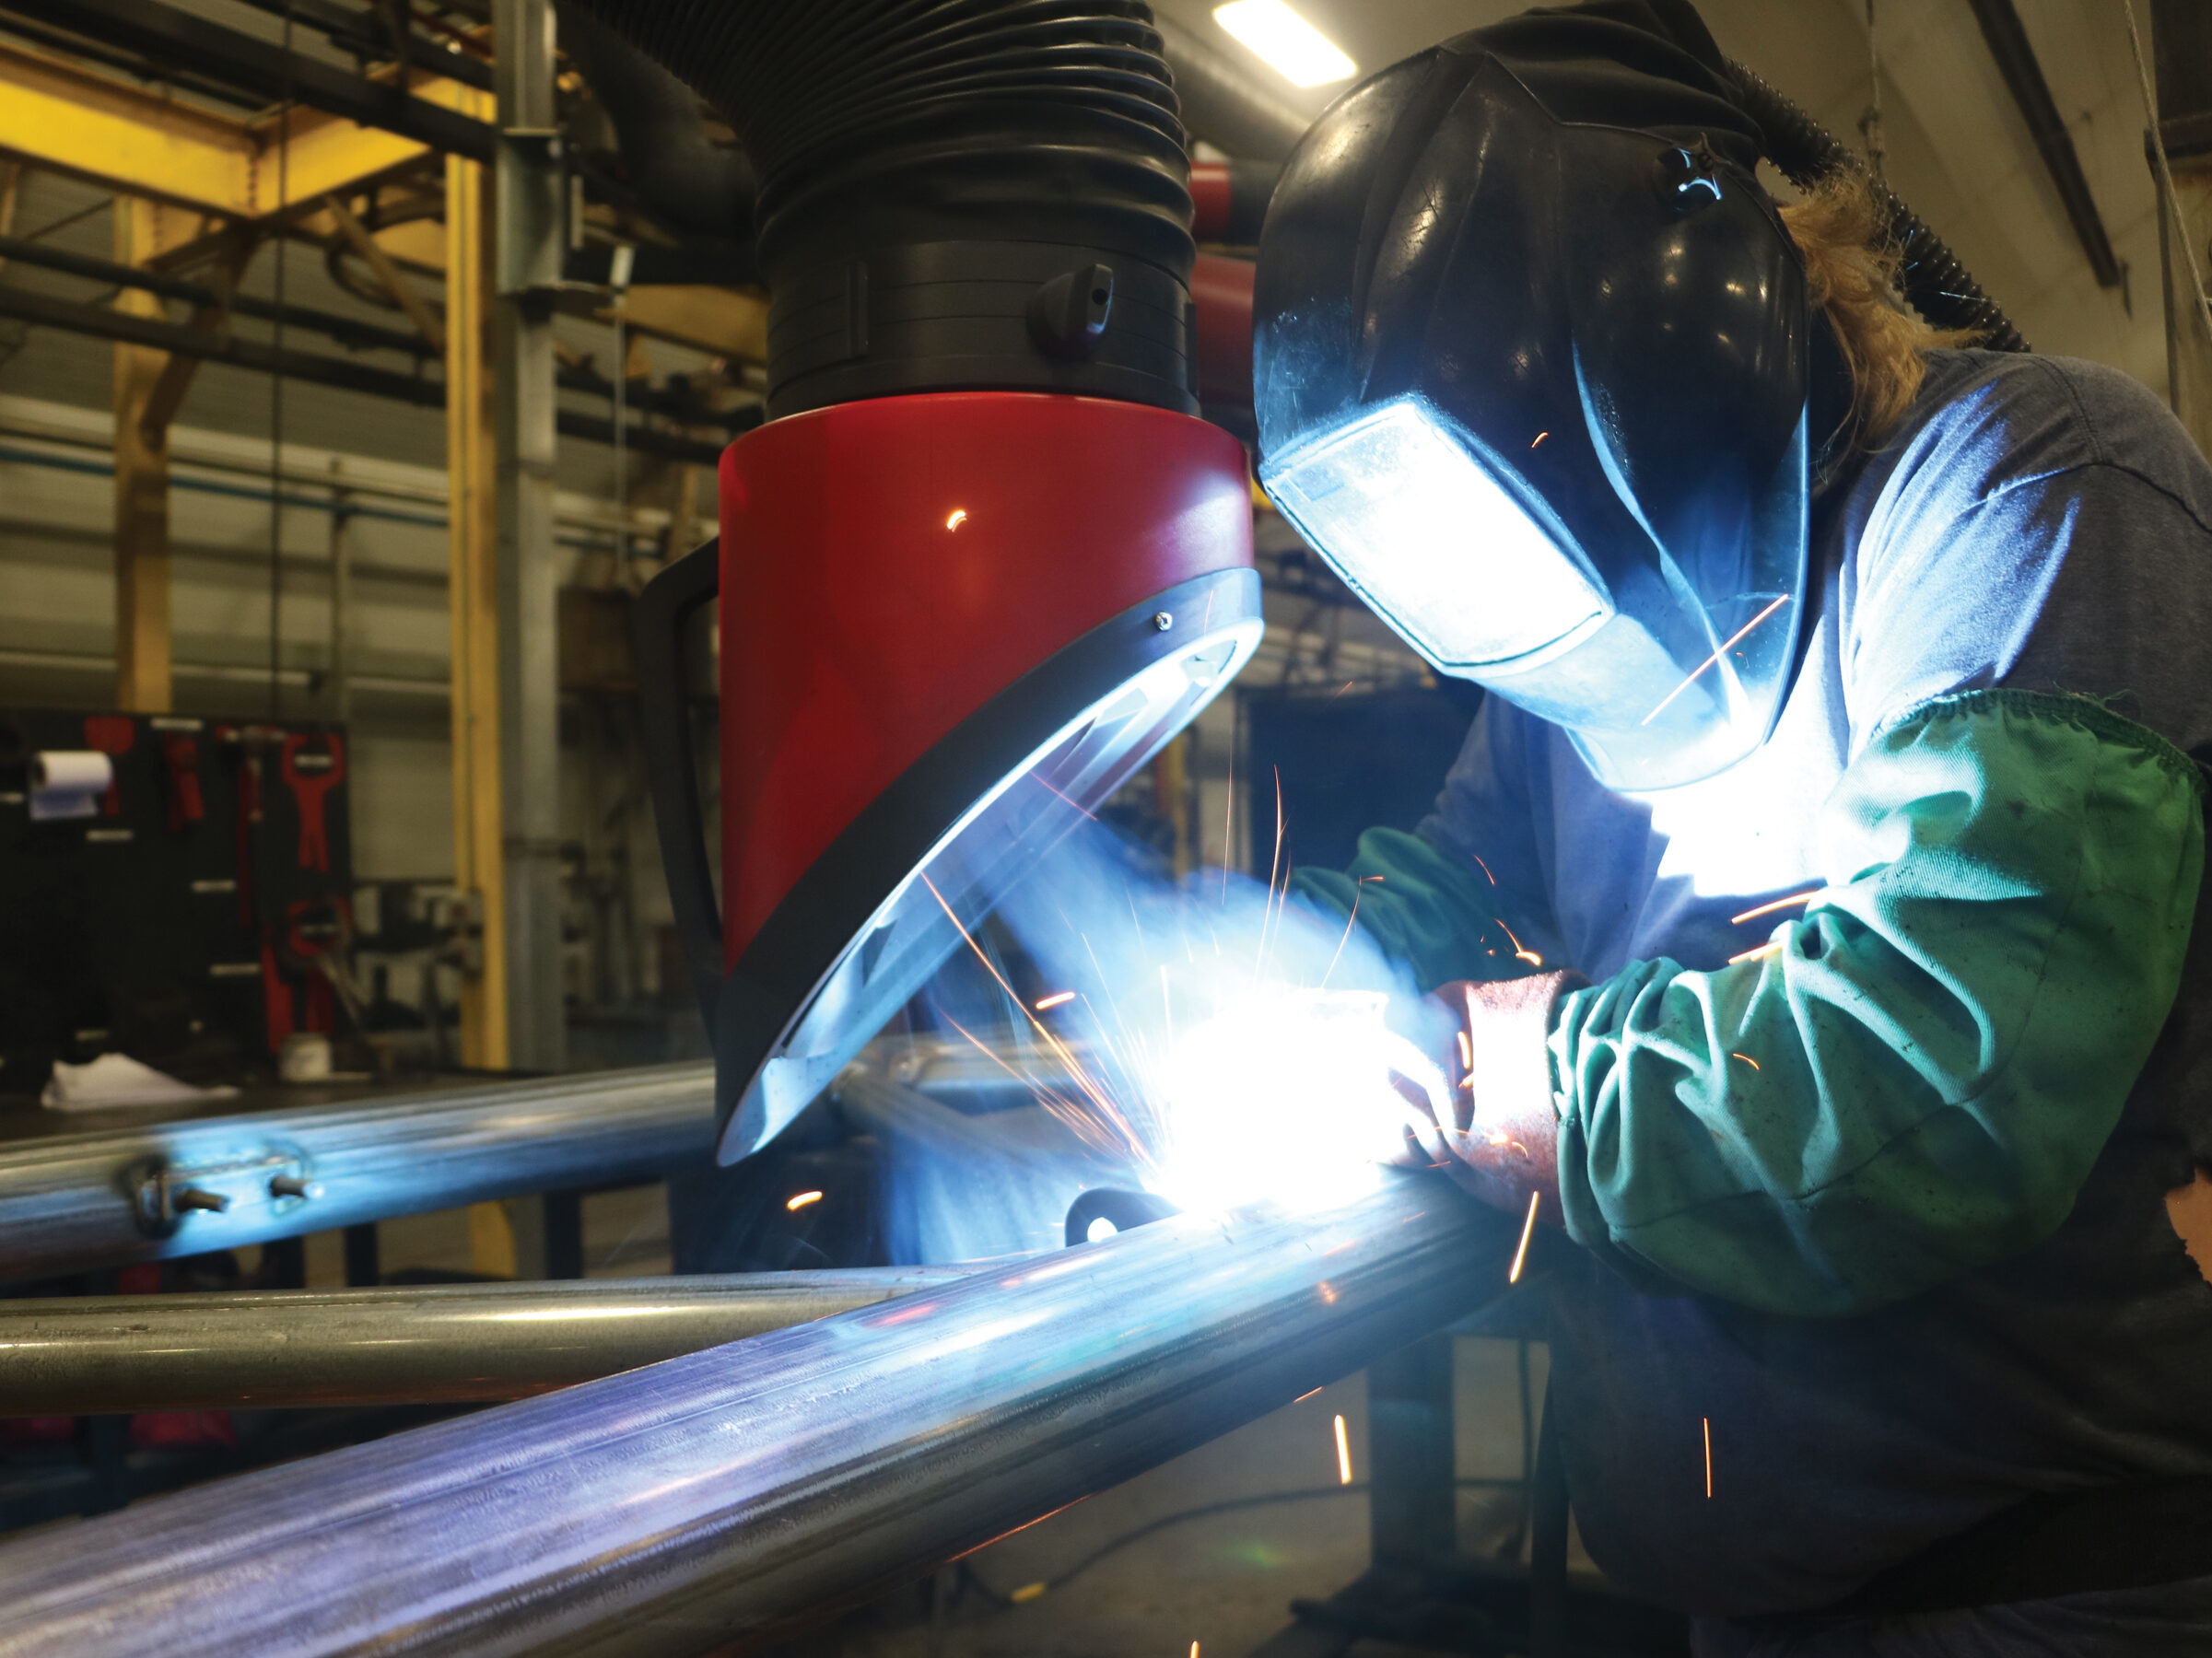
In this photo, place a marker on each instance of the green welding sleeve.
(1916, 1077)
(1425, 907)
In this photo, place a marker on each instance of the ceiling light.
(1301, 53)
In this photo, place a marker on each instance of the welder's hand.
(1501, 1139)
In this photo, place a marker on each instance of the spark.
(1343, 1454)
(1328, 1292)
(1767, 949)
(1528, 1231)
(1274, 869)
(1026, 1593)
(1765, 909)
(1467, 1053)
(1539, 437)
(1304, 1397)
(1708, 1422)
(1478, 857)
(959, 518)
(1746, 1058)
(1519, 949)
(1349, 921)
(1194, 1650)
(799, 1200)
(1059, 1000)
(1228, 819)
(1715, 657)
(1340, 691)
(1077, 804)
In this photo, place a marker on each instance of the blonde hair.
(1851, 265)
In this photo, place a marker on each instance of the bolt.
(294, 1186)
(193, 1197)
(1163, 620)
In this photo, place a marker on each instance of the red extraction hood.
(949, 623)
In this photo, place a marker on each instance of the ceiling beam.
(2008, 43)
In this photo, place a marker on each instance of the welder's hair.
(1851, 265)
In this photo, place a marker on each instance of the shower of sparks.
(1104, 1124)
(799, 1200)
(1519, 949)
(1708, 1422)
(1528, 1231)
(1725, 645)
(1343, 1454)
(1057, 999)
(1779, 904)
(1746, 1058)
(1764, 950)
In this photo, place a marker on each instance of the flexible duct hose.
(957, 193)
(1934, 282)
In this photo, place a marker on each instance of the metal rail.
(722, 1497)
(117, 1353)
(219, 1182)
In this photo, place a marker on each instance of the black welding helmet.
(1531, 355)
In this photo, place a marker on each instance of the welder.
(1843, 681)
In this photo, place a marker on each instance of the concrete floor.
(1126, 1577)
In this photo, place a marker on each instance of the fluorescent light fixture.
(1293, 48)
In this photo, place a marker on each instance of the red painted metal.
(1222, 289)
(888, 565)
(1210, 200)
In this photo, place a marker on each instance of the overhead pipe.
(1223, 104)
(443, 1344)
(726, 1497)
(180, 1188)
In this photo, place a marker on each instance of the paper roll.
(68, 783)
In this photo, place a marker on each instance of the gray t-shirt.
(2035, 522)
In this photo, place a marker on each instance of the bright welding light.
(1396, 500)
(1291, 46)
(1284, 1097)
(1100, 1230)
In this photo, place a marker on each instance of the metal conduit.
(723, 1496)
(182, 1188)
(448, 1344)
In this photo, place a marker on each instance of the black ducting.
(936, 180)
(1934, 282)
(691, 184)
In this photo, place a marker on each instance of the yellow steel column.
(142, 623)
(474, 541)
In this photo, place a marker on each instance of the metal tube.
(117, 1353)
(147, 1194)
(722, 1497)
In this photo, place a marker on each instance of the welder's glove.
(1499, 1136)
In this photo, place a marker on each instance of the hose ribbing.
(1934, 282)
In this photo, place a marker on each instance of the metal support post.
(1411, 1513)
(474, 590)
(530, 242)
(142, 622)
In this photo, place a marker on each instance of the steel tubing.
(452, 1343)
(727, 1496)
(218, 1183)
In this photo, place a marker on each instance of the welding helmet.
(1531, 353)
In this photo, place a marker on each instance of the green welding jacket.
(1913, 1078)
